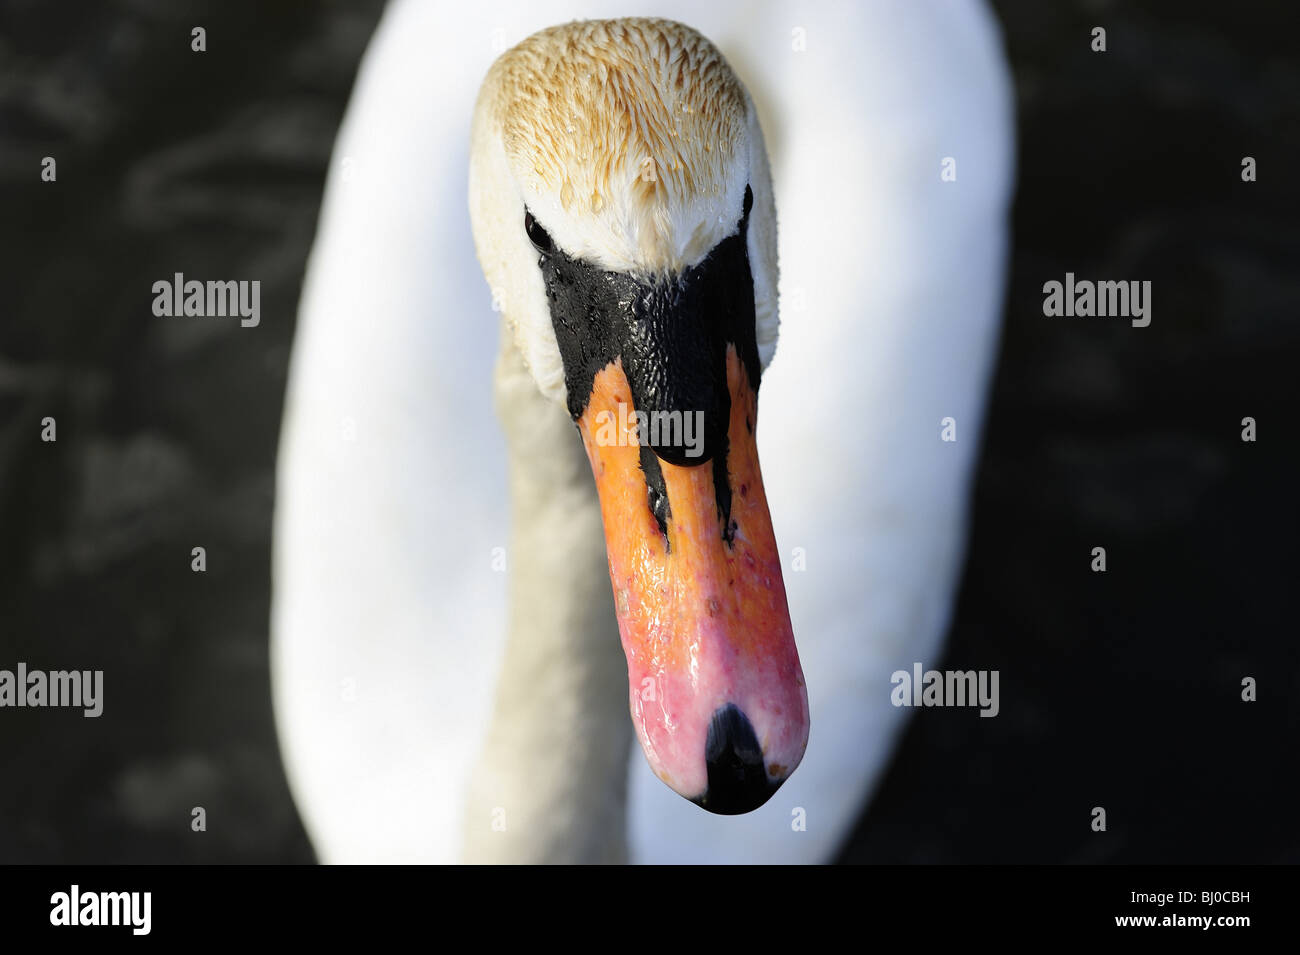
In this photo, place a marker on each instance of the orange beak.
(717, 694)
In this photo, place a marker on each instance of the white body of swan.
(396, 694)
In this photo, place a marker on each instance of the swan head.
(623, 215)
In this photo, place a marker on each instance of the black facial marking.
(656, 490)
(671, 333)
(722, 491)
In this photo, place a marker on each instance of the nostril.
(738, 779)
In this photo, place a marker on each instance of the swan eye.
(540, 238)
(749, 201)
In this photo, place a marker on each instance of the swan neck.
(551, 784)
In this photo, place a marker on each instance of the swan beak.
(716, 690)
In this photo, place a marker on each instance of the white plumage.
(389, 617)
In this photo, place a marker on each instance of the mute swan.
(420, 720)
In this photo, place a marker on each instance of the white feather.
(388, 619)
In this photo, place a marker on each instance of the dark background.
(1127, 684)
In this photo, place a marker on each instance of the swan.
(447, 674)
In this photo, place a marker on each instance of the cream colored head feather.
(632, 142)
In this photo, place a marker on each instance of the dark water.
(1126, 684)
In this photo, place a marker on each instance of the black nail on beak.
(738, 780)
